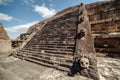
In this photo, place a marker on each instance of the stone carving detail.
(83, 66)
(84, 62)
(80, 34)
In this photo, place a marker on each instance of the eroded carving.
(81, 34)
(84, 62)
(83, 67)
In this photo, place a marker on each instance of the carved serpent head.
(84, 63)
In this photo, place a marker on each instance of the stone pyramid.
(5, 42)
(3, 33)
(62, 41)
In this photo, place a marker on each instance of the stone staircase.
(54, 45)
(50, 50)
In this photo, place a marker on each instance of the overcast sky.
(18, 15)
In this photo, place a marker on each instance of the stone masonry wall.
(105, 25)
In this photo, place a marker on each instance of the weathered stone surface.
(14, 69)
(105, 25)
(5, 43)
(3, 33)
(109, 68)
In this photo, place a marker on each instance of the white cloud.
(44, 11)
(5, 17)
(29, 1)
(15, 31)
(5, 2)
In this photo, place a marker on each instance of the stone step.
(45, 61)
(21, 56)
(44, 49)
(59, 35)
(31, 49)
(48, 54)
(57, 45)
(40, 62)
(58, 42)
(57, 52)
(16, 55)
(61, 59)
(63, 43)
(56, 39)
(61, 49)
(49, 46)
(51, 28)
(64, 34)
(53, 51)
(48, 65)
(64, 57)
(65, 50)
(49, 59)
(68, 30)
